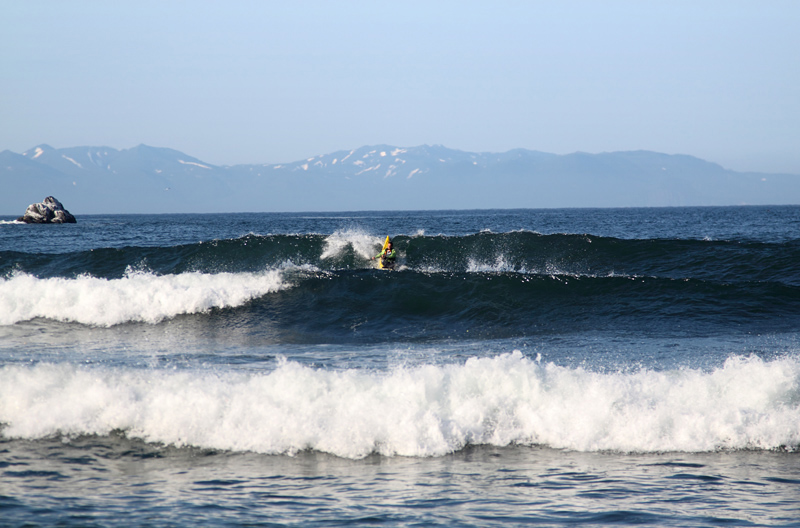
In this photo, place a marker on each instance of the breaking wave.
(136, 297)
(431, 410)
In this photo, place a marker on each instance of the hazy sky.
(251, 82)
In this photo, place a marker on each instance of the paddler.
(387, 256)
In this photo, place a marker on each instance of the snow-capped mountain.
(98, 160)
(146, 179)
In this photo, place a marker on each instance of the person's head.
(389, 245)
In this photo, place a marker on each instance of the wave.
(308, 305)
(428, 410)
(136, 297)
(311, 305)
(317, 288)
(522, 252)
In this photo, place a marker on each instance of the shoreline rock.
(50, 211)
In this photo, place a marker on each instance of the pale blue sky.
(251, 82)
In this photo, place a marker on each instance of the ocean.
(564, 367)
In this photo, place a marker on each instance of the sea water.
(551, 367)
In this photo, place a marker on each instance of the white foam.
(553, 270)
(422, 411)
(138, 296)
(499, 265)
(364, 244)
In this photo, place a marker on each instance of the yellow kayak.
(380, 261)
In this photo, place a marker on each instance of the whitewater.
(138, 296)
(555, 367)
(420, 411)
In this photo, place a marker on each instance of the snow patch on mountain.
(72, 160)
(194, 163)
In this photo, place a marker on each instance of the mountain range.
(144, 179)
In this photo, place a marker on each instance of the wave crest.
(423, 411)
(139, 296)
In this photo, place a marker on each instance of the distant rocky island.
(49, 211)
(144, 179)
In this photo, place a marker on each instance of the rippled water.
(563, 367)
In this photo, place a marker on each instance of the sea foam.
(136, 297)
(362, 243)
(428, 410)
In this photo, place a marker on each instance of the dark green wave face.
(478, 286)
(522, 252)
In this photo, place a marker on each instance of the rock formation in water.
(50, 211)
